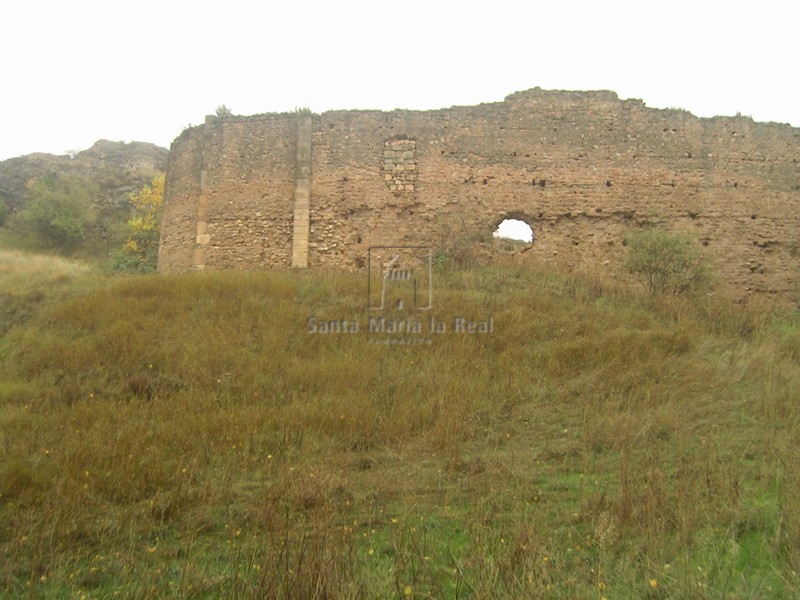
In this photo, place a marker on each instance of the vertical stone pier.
(302, 190)
(202, 239)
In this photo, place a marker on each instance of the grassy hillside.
(27, 280)
(186, 437)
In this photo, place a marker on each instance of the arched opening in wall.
(516, 230)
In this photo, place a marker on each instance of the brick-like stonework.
(400, 164)
(582, 168)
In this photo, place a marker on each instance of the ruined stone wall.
(582, 168)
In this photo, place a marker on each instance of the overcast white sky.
(74, 72)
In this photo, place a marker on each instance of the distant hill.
(115, 168)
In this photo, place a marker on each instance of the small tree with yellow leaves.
(140, 250)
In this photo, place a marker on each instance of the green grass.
(185, 437)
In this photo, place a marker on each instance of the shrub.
(457, 242)
(3, 212)
(59, 210)
(223, 112)
(666, 262)
(140, 250)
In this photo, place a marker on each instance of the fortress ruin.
(581, 168)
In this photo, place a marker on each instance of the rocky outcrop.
(117, 168)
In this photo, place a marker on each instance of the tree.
(140, 250)
(666, 262)
(59, 210)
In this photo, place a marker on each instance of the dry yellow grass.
(24, 271)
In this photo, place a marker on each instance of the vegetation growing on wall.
(223, 112)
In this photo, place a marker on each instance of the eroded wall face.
(582, 168)
(229, 196)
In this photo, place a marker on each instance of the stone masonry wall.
(582, 168)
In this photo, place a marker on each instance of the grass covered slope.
(187, 437)
(26, 280)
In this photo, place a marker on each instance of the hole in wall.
(514, 229)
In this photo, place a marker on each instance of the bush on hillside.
(59, 210)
